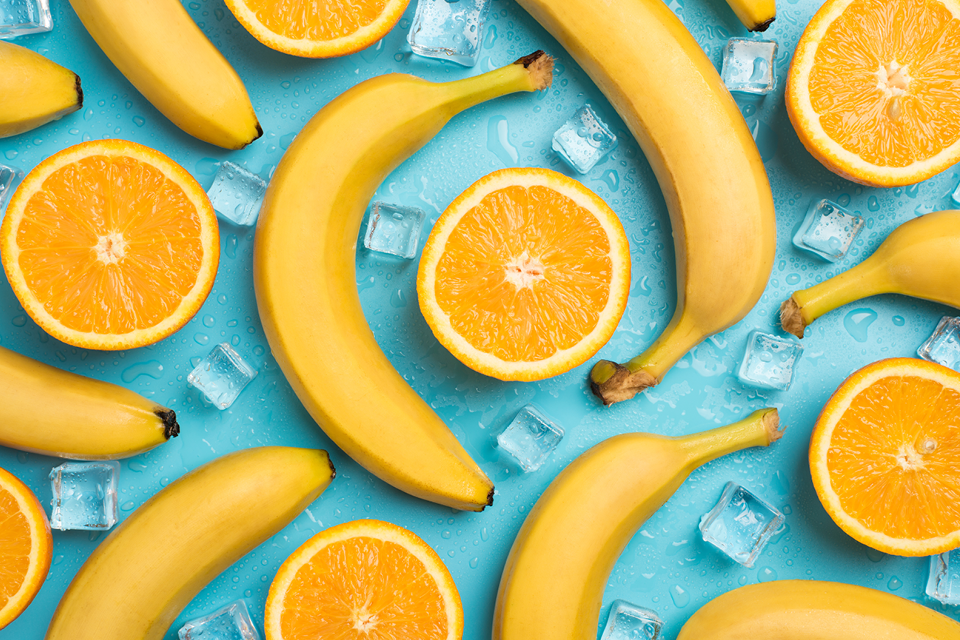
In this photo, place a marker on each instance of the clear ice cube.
(9, 177)
(394, 229)
(20, 17)
(828, 230)
(530, 438)
(943, 347)
(584, 140)
(740, 524)
(231, 622)
(943, 581)
(449, 29)
(748, 65)
(84, 495)
(955, 196)
(236, 194)
(222, 375)
(768, 361)
(629, 622)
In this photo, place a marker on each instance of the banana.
(305, 280)
(142, 575)
(756, 15)
(918, 259)
(163, 53)
(34, 90)
(718, 197)
(587, 516)
(815, 610)
(57, 413)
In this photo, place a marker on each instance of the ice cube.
(955, 196)
(530, 438)
(222, 375)
(768, 361)
(740, 524)
(394, 229)
(84, 495)
(231, 622)
(828, 230)
(9, 177)
(236, 194)
(629, 622)
(943, 347)
(449, 29)
(943, 582)
(748, 65)
(584, 140)
(20, 17)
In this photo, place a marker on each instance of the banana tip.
(771, 423)
(762, 26)
(612, 382)
(540, 67)
(171, 429)
(790, 317)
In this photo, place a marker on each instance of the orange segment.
(368, 580)
(525, 275)
(885, 457)
(110, 245)
(25, 547)
(873, 89)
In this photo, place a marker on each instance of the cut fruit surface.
(110, 245)
(525, 275)
(25, 547)
(364, 580)
(885, 457)
(311, 30)
(873, 89)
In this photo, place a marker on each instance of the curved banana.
(756, 15)
(815, 610)
(305, 281)
(918, 259)
(670, 96)
(163, 53)
(57, 413)
(587, 516)
(33, 90)
(142, 575)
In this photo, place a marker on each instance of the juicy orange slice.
(110, 245)
(318, 30)
(25, 547)
(885, 457)
(363, 580)
(872, 89)
(525, 275)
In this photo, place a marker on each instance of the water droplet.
(793, 278)
(498, 142)
(766, 574)
(231, 246)
(151, 369)
(894, 583)
(209, 321)
(858, 321)
(874, 555)
(491, 38)
(19, 321)
(612, 178)
(474, 563)
(642, 287)
(137, 120)
(898, 321)
(287, 139)
(398, 299)
(201, 339)
(365, 284)
(873, 204)
(680, 597)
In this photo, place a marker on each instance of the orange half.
(25, 547)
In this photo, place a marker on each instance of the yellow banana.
(163, 53)
(756, 15)
(57, 413)
(918, 259)
(305, 281)
(670, 96)
(34, 90)
(587, 516)
(142, 575)
(814, 610)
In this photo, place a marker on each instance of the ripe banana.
(670, 96)
(918, 259)
(305, 281)
(57, 413)
(142, 575)
(34, 90)
(814, 610)
(163, 53)
(587, 516)
(756, 15)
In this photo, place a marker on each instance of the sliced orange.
(25, 547)
(363, 580)
(314, 29)
(874, 92)
(525, 275)
(110, 245)
(885, 457)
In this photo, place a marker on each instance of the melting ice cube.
(84, 495)
(20, 17)
(584, 140)
(236, 194)
(394, 229)
(828, 230)
(740, 524)
(943, 582)
(768, 361)
(943, 347)
(222, 375)
(530, 438)
(231, 622)
(629, 622)
(9, 176)
(449, 29)
(749, 65)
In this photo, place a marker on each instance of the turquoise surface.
(666, 567)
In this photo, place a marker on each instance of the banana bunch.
(34, 90)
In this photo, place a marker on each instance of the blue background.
(667, 567)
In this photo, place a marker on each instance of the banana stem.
(759, 429)
(530, 73)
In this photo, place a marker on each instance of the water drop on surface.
(858, 321)
(498, 142)
(680, 597)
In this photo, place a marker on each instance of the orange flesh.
(366, 588)
(311, 20)
(911, 48)
(15, 541)
(892, 458)
(555, 249)
(114, 230)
